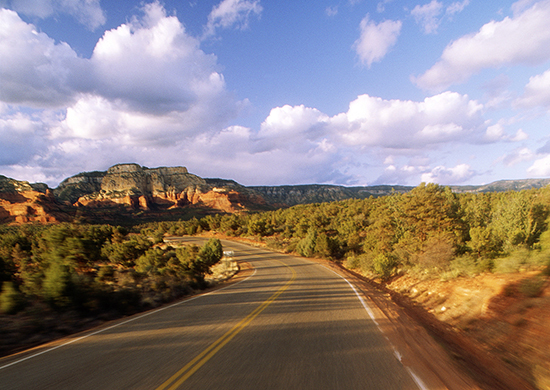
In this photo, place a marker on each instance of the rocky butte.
(125, 189)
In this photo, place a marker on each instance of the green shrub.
(57, 284)
(11, 300)
(106, 273)
(513, 262)
(384, 265)
(464, 266)
(352, 262)
(532, 287)
(306, 246)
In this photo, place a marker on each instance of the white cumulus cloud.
(292, 127)
(522, 39)
(537, 92)
(153, 65)
(147, 86)
(406, 124)
(376, 39)
(34, 70)
(540, 168)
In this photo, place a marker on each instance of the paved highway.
(293, 324)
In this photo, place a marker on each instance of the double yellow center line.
(190, 368)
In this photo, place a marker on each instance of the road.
(293, 324)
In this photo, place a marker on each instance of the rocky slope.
(22, 202)
(124, 190)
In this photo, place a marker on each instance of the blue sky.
(349, 92)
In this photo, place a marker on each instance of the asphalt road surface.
(293, 324)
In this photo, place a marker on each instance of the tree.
(196, 263)
(152, 262)
(306, 246)
(211, 253)
(57, 284)
(11, 300)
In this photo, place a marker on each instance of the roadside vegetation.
(59, 274)
(59, 278)
(428, 232)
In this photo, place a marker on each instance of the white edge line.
(396, 353)
(417, 380)
(125, 322)
(365, 305)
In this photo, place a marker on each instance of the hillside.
(126, 192)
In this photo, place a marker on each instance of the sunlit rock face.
(147, 188)
(129, 187)
(21, 202)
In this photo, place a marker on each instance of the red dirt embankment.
(504, 317)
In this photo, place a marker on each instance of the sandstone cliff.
(21, 202)
(123, 191)
(143, 188)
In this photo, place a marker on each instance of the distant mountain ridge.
(132, 191)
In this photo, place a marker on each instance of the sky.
(265, 92)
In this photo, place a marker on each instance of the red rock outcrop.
(124, 189)
(162, 188)
(29, 206)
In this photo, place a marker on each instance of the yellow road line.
(190, 368)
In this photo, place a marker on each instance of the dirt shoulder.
(497, 323)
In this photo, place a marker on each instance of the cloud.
(35, 71)
(521, 5)
(537, 92)
(540, 168)
(446, 176)
(21, 137)
(294, 144)
(150, 95)
(329, 148)
(427, 16)
(152, 65)
(147, 74)
(147, 89)
(331, 10)
(376, 39)
(87, 12)
(520, 136)
(517, 156)
(457, 7)
(397, 175)
(293, 128)
(522, 39)
(230, 13)
(326, 149)
(447, 117)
